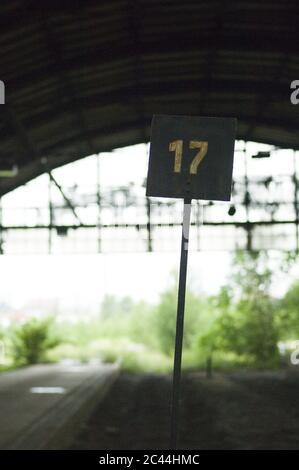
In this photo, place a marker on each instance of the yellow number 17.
(177, 147)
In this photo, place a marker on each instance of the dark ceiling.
(84, 77)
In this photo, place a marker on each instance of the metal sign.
(191, 157)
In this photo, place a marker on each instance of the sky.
(79, 282)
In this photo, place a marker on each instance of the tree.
(247, 314)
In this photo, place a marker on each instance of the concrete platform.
(41, 406)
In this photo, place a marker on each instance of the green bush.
(31, 341)
(145, 361)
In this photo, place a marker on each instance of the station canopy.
(83, 77)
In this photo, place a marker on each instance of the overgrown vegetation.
(247, 322)
(241, 326)
(31, 341)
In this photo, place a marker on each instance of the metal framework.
(263, 214)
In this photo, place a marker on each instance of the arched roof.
(84, 77)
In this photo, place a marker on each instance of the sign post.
(180, 325)
(191, 157)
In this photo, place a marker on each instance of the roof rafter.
(54, 48)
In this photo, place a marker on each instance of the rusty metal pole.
(175, 403)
